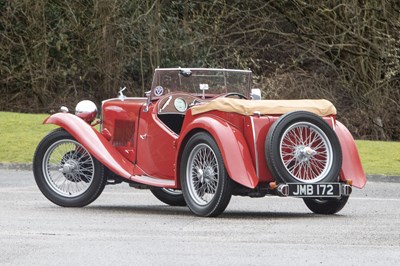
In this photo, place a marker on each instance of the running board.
(151, 181)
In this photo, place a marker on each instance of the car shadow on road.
(142, 209)
(273, 215)
(184, 211)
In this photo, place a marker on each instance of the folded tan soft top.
(266, 107)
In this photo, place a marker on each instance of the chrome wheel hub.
(206, 175)
(200, 175)
(304, 153)
(69, 167)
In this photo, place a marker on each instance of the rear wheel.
(205, 183)
(326, 206)
(169, 196)
(65, 172)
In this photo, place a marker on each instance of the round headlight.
(86, 110)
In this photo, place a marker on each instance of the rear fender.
(94, 142)
(232, 144)
(351, 165)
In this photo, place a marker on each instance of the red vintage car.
(198, 137)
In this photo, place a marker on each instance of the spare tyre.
(302, 148)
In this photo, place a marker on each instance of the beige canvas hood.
(266, 107)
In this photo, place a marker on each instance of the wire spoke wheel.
(65, 172)
(302, 147)
(206, 187)
(202, 173)
(306, 152)
(68, 168)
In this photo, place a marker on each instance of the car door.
(155, 147)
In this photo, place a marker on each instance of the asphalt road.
(130, 227)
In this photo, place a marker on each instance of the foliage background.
(55, 52)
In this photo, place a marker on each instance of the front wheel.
(326, 206)
(65, 172)
(206, 186)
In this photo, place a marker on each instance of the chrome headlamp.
(86, 110)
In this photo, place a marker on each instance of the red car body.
(140, 144)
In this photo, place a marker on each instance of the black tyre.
(65, 172)
(326, 205)
(171, 197)
(302, 147)
(205, 184)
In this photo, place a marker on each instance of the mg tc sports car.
(198, 137)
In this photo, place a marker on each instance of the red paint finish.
(351, 165)
(155, 146)
(231, 142)
(102, 150)
(120, 120)
(259, 127)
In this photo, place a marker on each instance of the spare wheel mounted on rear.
(302, 148)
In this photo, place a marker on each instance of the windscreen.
(206, 82)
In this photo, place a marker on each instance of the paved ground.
(130, 227)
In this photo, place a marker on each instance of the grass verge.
(20, 134)
(380, 157)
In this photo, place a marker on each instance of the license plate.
(314, 190)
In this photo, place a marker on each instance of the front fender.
(94, 142)
(232, 144)
(351, 165)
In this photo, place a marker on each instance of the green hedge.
(59, 52)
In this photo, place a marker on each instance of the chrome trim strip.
(153, 181)
(127, 98)
(255, 145)
(206, 69)
(333, 124)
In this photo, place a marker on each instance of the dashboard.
(177, 103)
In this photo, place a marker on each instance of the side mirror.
(255, 94)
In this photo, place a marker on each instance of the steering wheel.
(239, 95)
